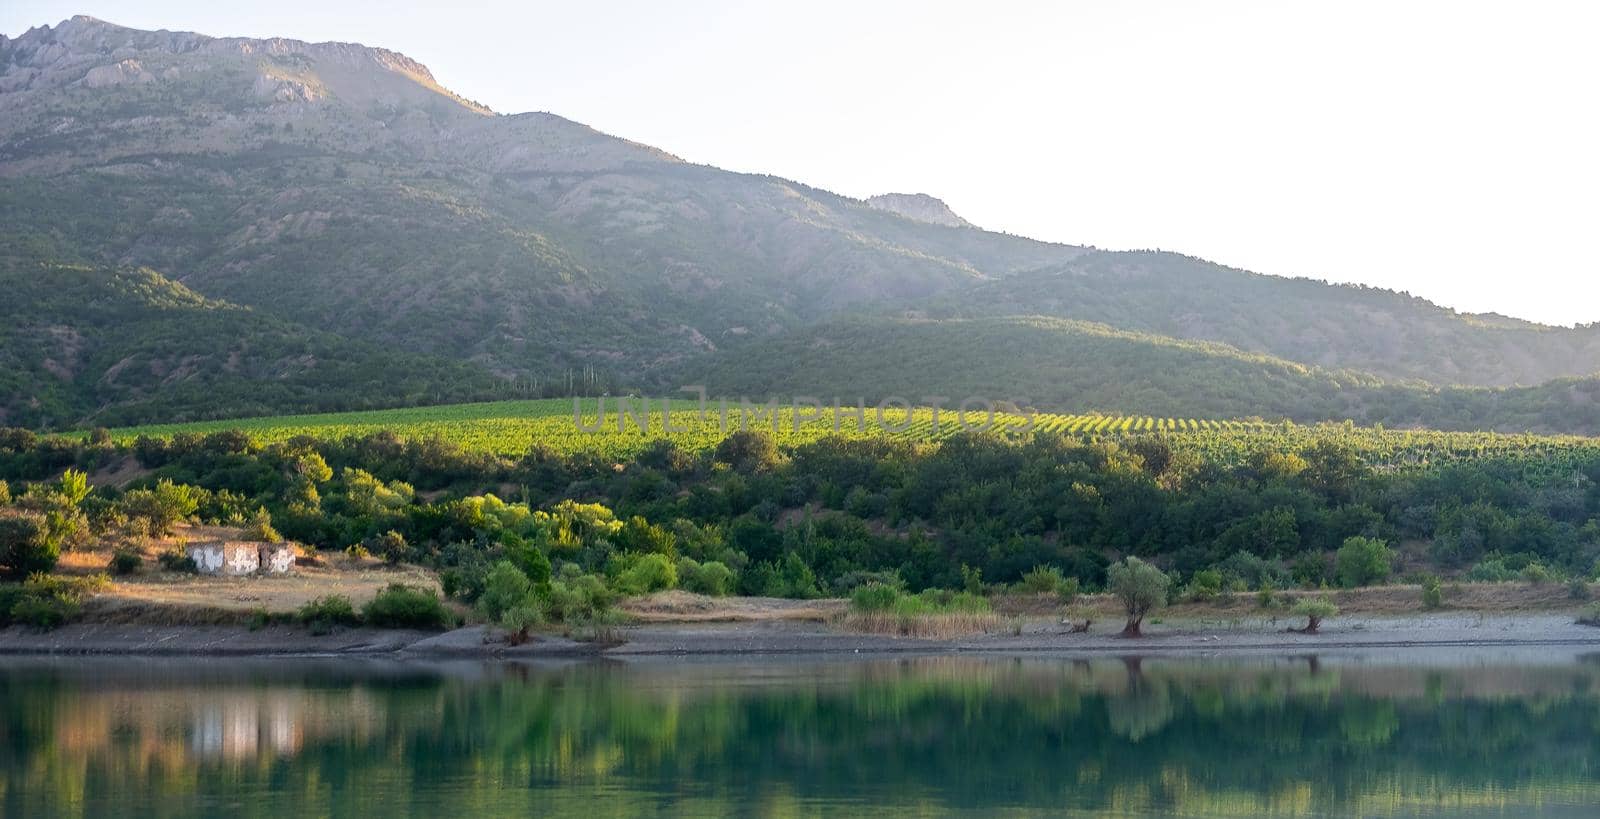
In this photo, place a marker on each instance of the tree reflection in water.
(927, 736)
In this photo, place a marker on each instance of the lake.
(1418, 733)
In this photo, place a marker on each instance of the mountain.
(919, 207)
(340, 192)
(108, 346)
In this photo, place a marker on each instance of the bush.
(403, 606)
(874, 597)
(1363, 561)
(176, 560)
(1535, 573)
(711, 578)
(520, 620)
(44, 611)
(1590, 616)
(125, 562)
(649, 573)
(1315, 610)
(260, 528)
(1578, 589)
(1491, 570)
(1432, 594)
(163, 506)
(26, 545)
(1140, 587)
(580, 598)
(1205, 585)
(506, 589)
(324, 613)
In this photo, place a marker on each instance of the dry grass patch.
(933, 626)
(686, 607)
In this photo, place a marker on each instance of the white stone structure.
(276, 558)
(226, 558)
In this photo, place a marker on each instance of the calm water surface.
(1381, 735)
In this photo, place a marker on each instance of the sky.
(1448, 149)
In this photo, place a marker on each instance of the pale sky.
(1447, 148)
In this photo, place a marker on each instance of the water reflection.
(1507, 735)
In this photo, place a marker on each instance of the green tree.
(25, 545)
(1140, 587)
(1363, 561)
(1315, 610)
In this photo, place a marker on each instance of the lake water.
(1501, 734)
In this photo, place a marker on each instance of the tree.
(1315, 610)
(1363, 561)
(507, 588)
(1141, 587)
(25, 545)
(163, 506)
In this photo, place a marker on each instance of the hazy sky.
(1444, 148)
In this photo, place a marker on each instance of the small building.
(225, 558)
(276, 558)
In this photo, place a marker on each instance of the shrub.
(1578, 589)
(1315, 610)
(260, 528)
(579, 598)
(649, 573)
(26, 545)
(163, 506)
(1205, 585)
(403, 606)
(520, 620)
(506, 588)
(1590, 616)
(712, 578)
(324, 613)
(1140, 587)
(1535, 573)
(1363, 561)
(125, 562)
(176, 560)
(1491, 570)
(884, 609)
(43, 611)
(1432, 594)
(874, 597)
(1041, 580)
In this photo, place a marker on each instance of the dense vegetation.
(1244, 508)
(116, 345)
(1074, 366)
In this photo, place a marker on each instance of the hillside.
(339, 187)
(1073, 366)
(1395, 336)
(109, 346)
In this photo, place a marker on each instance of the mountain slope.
(1071, 366)
(1382, 332)
(111, 346)
(340, 187)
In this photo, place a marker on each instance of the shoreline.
(1461, 631)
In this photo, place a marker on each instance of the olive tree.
(1141, 587)
(1315, 610)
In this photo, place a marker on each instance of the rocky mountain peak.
(918, 206)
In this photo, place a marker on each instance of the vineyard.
(512, 427)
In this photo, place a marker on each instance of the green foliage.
(1205, 585)
(46, 601)
(1491, 570)
(1578, 589)
(520, 620)
(323, 614)
(125, 561)
(1363, 561)
(260, 528)
(1049, 580)
(163, 506)
(712, 578)
(26, 545)
(506, 588)
(1315, 610)
(1432, 593)
(176, 560)
(403, 606)
(1139, 587)
(579, 599)
(1590, 616)
(648, 573)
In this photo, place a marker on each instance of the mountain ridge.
(339, 187)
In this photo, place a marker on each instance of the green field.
(512, 427)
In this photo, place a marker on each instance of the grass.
(933, 614)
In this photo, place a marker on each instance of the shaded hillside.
(1071, 366)
(1379, 331)
(107, 346)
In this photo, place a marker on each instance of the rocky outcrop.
(918, 206)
